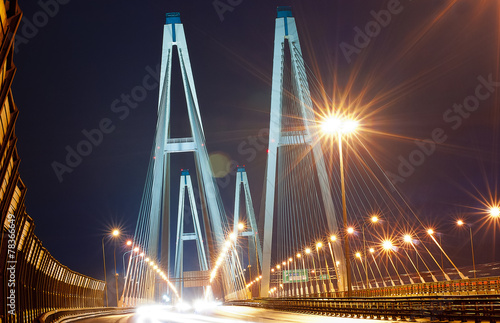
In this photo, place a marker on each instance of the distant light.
(358, 254)
(232, 236)
(374, 219)
(350, 230)
(430, 231)
(129, 242)
(116, 233)
(333, 237)
(272, 270)
(387, 244)
(372, 250)
(284, 263)
(241, 226)
(335, 124)
(495, 211)
(407, 238)
(299, 255)
(460, 222)
(290, 259)
(319, 245)
(136, 249)
(278, 266)
(338, 262)
(146, 260)
(142, 254)
(308, 251)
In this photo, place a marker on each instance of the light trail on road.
(219, 314)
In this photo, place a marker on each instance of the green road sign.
(295, 276)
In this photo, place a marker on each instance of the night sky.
(75, 64)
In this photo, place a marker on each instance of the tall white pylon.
(286, 30)
(249, 228)
(211, 204)
(186, 184)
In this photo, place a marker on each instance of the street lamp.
(461, 223)
(114, 233)
(495, 212)
(319, 245)
(335, 125)
(373, 219)
(388, 247)
(431, 232)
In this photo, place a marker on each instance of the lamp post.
(431, 234)
(335, 125)
(308, 252)
(461, 223)
(318, 247)
(373, 219)
(115, 234)
(299, 256)
(104, 262)
(129, 243)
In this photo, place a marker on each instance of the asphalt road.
(219, 314)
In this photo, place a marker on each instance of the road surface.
(219, 314)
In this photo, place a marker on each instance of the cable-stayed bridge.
(332, 234)
(332, 224)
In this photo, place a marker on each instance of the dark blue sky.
(74, 65)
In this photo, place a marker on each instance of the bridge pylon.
(174, 41)
(249, 228)
(186, 186)
(303, 134)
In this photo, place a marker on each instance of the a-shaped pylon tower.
(286, 35)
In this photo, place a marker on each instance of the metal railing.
(35, 282)
(473, 286)
(457, 308)
(63, 314)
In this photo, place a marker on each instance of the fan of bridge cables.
(147, 275)
(144, 269)
(389, 244)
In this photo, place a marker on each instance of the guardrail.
(473, 286)
(35, 282)
(455, 308)
(63, 314)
